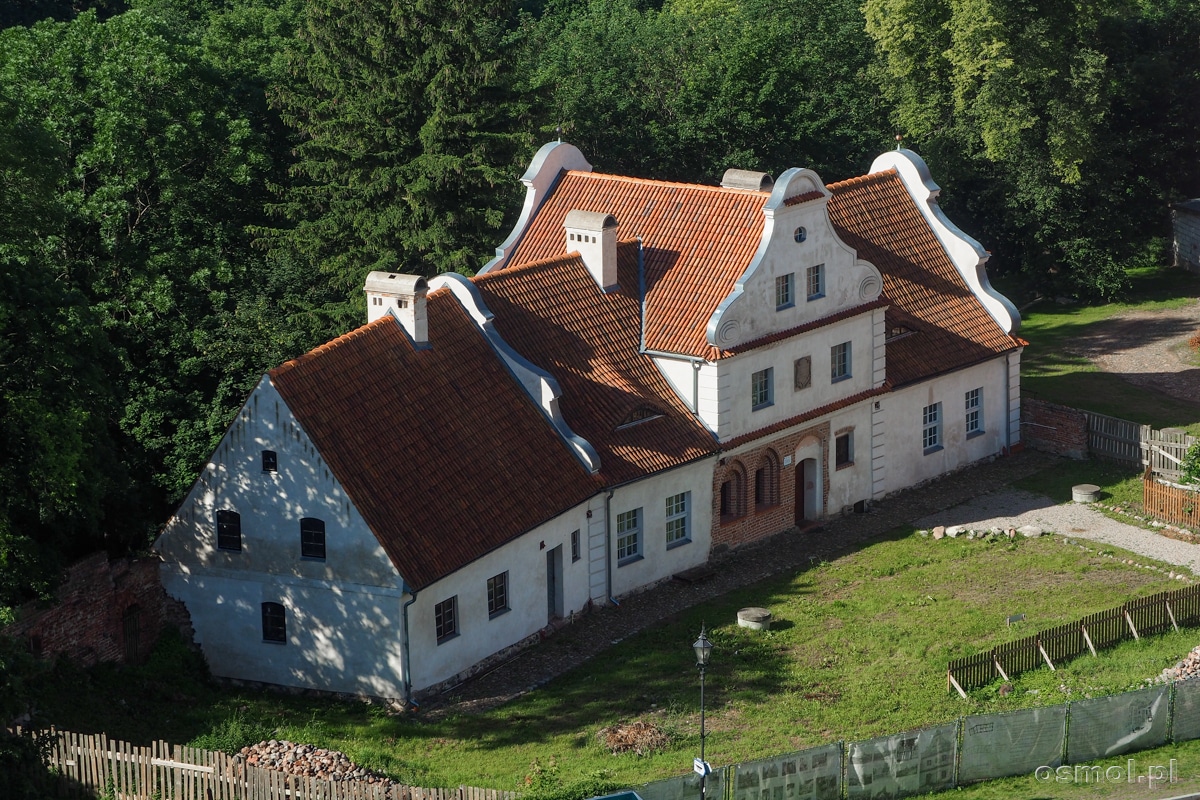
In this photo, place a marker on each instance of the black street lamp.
(703, 648)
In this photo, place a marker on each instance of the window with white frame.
(815, 281)
(629, 536)
(974, 403)
(762, 390)
(497, 591)
(445, 619)
(785, 291)
(678, 511)
(839, 362)
(931, 427)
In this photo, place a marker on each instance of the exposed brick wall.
(93, 609)
(760, 521)
(1052, 428)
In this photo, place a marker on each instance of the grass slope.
(1050, 372)
(859, 649)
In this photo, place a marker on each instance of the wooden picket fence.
(1141, 617)
(1170, 503)
(88, 765)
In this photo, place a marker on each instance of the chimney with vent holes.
(594, 235)
(403, 293)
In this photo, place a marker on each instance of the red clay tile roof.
(441, 451)
(553, 313)
(876, 216)
(698, 240)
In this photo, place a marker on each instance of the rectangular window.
(844, 450)
(312, 538)
(678, 506)
(974, 400)
(931, 428)
(229, 530)
(762, 390)
(270, 461)
(274, 623)
(629, 536)
(785, 291)
(497, 588)
(839, 362)
(575, 545)
(445, 619)
(815, 280)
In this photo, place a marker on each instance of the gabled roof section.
(876, 215)
(697, 241)
(554, 314)
(440, 449)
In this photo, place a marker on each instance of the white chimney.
(594, 235)
(404, 293)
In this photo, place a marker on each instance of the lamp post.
(703, 648)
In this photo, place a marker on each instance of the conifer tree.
(406, 126)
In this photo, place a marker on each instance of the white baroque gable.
(797, 237)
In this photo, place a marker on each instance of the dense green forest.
(195, 189)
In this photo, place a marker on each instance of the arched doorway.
(808, 503)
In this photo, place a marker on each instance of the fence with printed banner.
(971, 749)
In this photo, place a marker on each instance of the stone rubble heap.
(308, 761)
(1188, 668)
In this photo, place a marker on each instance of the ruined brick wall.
(1052, 428)
(103, 611)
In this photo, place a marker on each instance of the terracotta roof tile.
(698, 240)
(554, 314)
(876, 216)
(441, 451)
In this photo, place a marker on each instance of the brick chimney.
(594, 235)
(404, 293)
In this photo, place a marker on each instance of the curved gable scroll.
(777, 292)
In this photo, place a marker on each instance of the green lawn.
(859, 649)
(1050, 372)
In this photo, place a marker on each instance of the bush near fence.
(1140, 617)
(970, 749)
(85, 765)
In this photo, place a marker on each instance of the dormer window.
(898, 332)
(639, 415)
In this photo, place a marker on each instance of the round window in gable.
(800, 234)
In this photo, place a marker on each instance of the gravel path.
(1012, 508)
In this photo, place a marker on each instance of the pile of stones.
(1188, 668)
(955, 531)
(307, 761)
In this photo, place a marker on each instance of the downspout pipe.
(405, 652)
(696, 363)
(608, 559)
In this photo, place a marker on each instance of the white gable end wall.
(342, 613)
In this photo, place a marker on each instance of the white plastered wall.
(900, 417)
(736, 413)
(343, 618)
(480, 634)
(650, 494)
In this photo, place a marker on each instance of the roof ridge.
(860, 180)
(653, 182)
(331, 345)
